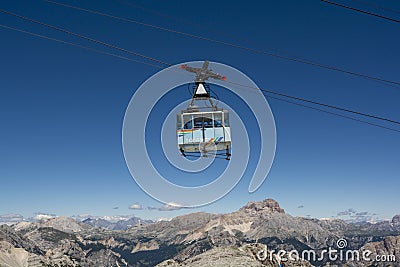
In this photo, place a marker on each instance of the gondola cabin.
(203, 131)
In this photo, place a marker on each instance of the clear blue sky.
(61, 107)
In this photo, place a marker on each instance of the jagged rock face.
(390, 245)
(67, 225)
(11, 236)
(269, 258)
(222, 256)
(247, 255)
(176, 230)
(396, 220)
(12, 257)
(268, 205)
(146, 246)
(47, 245)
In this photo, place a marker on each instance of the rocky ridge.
(185, 240)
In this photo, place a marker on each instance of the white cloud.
(43, 216)
(168, 207)
(136, 206)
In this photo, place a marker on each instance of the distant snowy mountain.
(109, 218)
(111, 224)
(41, 216)
(11, 218)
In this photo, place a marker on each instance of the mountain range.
(196, 239)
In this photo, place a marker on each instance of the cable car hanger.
(202, 75)
(204, 130)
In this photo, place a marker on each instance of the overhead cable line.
(280, 56)
(237, 84)
(78, 45)
(331, 113)
(377, 6)
(318, 103)
(361, 11)
(203, 27)
(83, 37)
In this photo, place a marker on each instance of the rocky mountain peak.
(64, 224)
(396, 220)
(268, 205)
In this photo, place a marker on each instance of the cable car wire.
(203, 27)
(78, 45)
(377, 6)
(361, 11)
(257, 51)
(83, 37)
(331, 113)
(245, 86)
(318, 103)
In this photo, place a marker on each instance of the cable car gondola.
(203, 129)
